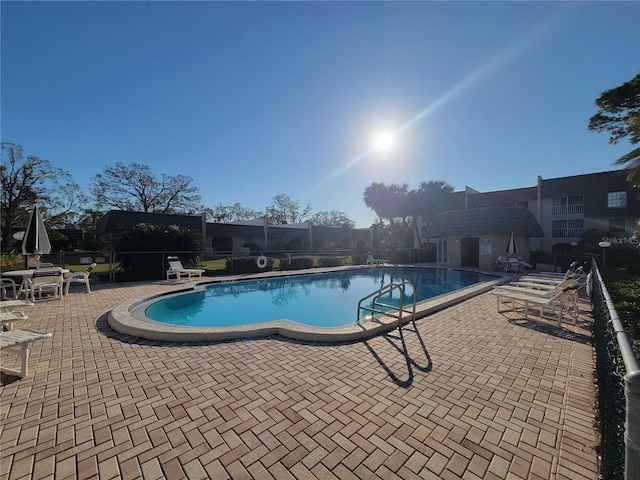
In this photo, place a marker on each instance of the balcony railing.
(567, 209)
(567, 232)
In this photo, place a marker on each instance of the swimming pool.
(305, 306)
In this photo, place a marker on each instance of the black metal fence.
(115, 266)
(618, 391)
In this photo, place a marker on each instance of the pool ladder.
(378, 306)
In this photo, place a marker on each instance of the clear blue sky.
(256, 99)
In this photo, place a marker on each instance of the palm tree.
(428, 200)
(374, 198)
(396, 202)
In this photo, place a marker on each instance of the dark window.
(617, 199)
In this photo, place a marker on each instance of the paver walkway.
(471, 394)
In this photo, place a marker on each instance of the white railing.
(567, 209)
(567, 232)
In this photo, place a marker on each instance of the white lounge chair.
(7, 319)
(22, 338)
(536, 289)
(176, 268)
(79, 277)
(561, 301)
(373, 261)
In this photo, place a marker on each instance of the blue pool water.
(320, 300)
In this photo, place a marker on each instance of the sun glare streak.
(494, 63)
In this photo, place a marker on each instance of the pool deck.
(471, 394)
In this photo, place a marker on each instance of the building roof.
(486, 221)
(118, 220)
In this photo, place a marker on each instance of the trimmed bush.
(160, 241)
(297, 263)
(238, 265)
(397, 256)
(329, 261)
(359, 258)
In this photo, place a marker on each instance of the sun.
(384, 141)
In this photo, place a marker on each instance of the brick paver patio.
(471, 394)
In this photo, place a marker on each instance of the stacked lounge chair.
(556, 293)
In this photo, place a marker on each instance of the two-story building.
(245, 236)
(560, 211)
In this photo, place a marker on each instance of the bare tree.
(333, 218)
(231, 213)
(286, 210)
(31, 181)
(134, 187)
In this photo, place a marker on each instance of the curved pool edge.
(121, 320)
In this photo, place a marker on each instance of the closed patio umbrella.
(512, 247)
(36, 240)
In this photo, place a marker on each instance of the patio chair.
(561, 301)
(536, 289)
(500, 264)
(22, 338)
(9, 289)
(373, 261)
(46, 282)
(513, 265)
(79, 277)
(176, 268)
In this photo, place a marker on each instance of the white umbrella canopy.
(512, 247)
(36, 240)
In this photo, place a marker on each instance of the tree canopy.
(284, 209)
(135, 187)
(333, 218)
(619, 114)
(231, 213)
(29, 181)
(398, 202)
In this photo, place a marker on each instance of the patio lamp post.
(604, 245)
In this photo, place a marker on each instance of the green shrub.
(624, 289)
(238, 265)
(296, 263)
(330, 261)
(359, 258)
(160, 241)
(397, 256)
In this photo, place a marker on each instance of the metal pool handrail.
(385, 290)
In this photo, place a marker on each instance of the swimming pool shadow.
(399, 343)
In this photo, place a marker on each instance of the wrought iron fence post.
(162, 267)
(112, 266)
(632, 427)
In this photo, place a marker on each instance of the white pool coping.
(122, 321)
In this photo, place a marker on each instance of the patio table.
(25, 276)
